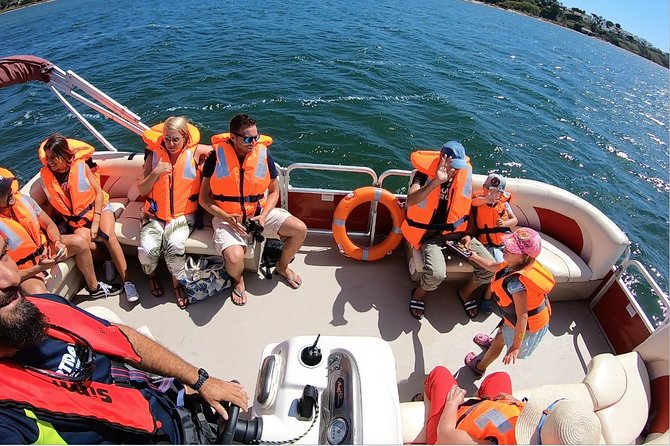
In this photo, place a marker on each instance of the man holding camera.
(236, 176)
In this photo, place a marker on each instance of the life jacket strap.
(73, 220)
(512, 316)
(450, 227)
(238, 199)
(31, 257)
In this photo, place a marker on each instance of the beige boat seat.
(617, 386)
(580, 244)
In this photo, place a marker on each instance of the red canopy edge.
(21, 69)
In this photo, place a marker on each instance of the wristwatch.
(202, 377)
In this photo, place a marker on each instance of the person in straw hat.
(552, 415)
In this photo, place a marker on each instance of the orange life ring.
(351, 201)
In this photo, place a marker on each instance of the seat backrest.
(619, 387)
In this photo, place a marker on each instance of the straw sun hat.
(569, 418)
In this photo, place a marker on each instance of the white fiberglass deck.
(344, 297)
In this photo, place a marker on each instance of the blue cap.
(456, 151)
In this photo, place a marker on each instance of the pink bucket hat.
(523, 241)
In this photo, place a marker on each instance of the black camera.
(255, 230)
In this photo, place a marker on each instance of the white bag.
(203, 276)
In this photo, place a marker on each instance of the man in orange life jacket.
(36, 244)
(63, 378)
(235, 177)
(438, 208)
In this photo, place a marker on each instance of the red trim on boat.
(562, 228)
(659, 415)
(623, 331)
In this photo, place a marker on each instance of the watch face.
(337, 431)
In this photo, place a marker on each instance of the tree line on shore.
(589, 24)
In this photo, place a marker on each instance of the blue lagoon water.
(364, 83)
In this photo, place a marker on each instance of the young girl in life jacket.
(520, 286)
(75, 193)
(493, 217)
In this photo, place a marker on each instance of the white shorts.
(225, 236)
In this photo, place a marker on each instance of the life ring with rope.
(368, 194)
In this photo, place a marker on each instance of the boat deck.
(345, 297)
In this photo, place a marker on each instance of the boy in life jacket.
(36, 245)
(235, 178)
(492, 215)
(74, 191)
(551, 415)
(65, 377)
(521, 287)
(171, 184)
(438, 209)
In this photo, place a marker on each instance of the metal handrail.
(331, 168)
(652, 283)
(62, 82)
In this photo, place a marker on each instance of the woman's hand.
(95, 226)
(162, 168)
(456, 395)
(61, 251)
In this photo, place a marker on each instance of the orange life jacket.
(490, 233)
(120, 406)
(239, 189)
(26, 242)
(419, 216)
(490, 419)
(173, 194)
(538, 282)
(77, 204)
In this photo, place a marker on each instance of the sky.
(648, 19)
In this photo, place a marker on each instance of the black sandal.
(155, 287)
(469, 306)
(180, 295)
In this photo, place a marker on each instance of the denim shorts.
(530, 340)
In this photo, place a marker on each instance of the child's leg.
(107, 221)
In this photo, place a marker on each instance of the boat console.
(324, 391)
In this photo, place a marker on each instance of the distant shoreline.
(16, 8)
(551, 22)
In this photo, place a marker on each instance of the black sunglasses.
(248, 139)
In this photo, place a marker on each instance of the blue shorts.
(530, 340)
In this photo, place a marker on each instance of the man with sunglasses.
(64, 380)
(240, 189)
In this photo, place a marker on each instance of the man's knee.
(234, 255)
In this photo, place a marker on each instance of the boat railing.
(620, 270)
(66, 82)
(285, 185)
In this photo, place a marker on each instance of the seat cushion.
(565, 265)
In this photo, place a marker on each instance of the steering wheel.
(226, 437)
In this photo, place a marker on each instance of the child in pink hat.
(520, 283)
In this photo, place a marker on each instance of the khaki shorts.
(225, 236)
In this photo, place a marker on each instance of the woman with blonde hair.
(171, 184)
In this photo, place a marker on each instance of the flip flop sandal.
(483, 340)
(418, 397)
(289, 280)
(417, 306)
(469, 306)
(471, 362)
(242, 295)
(180, 295)
(155, 287)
